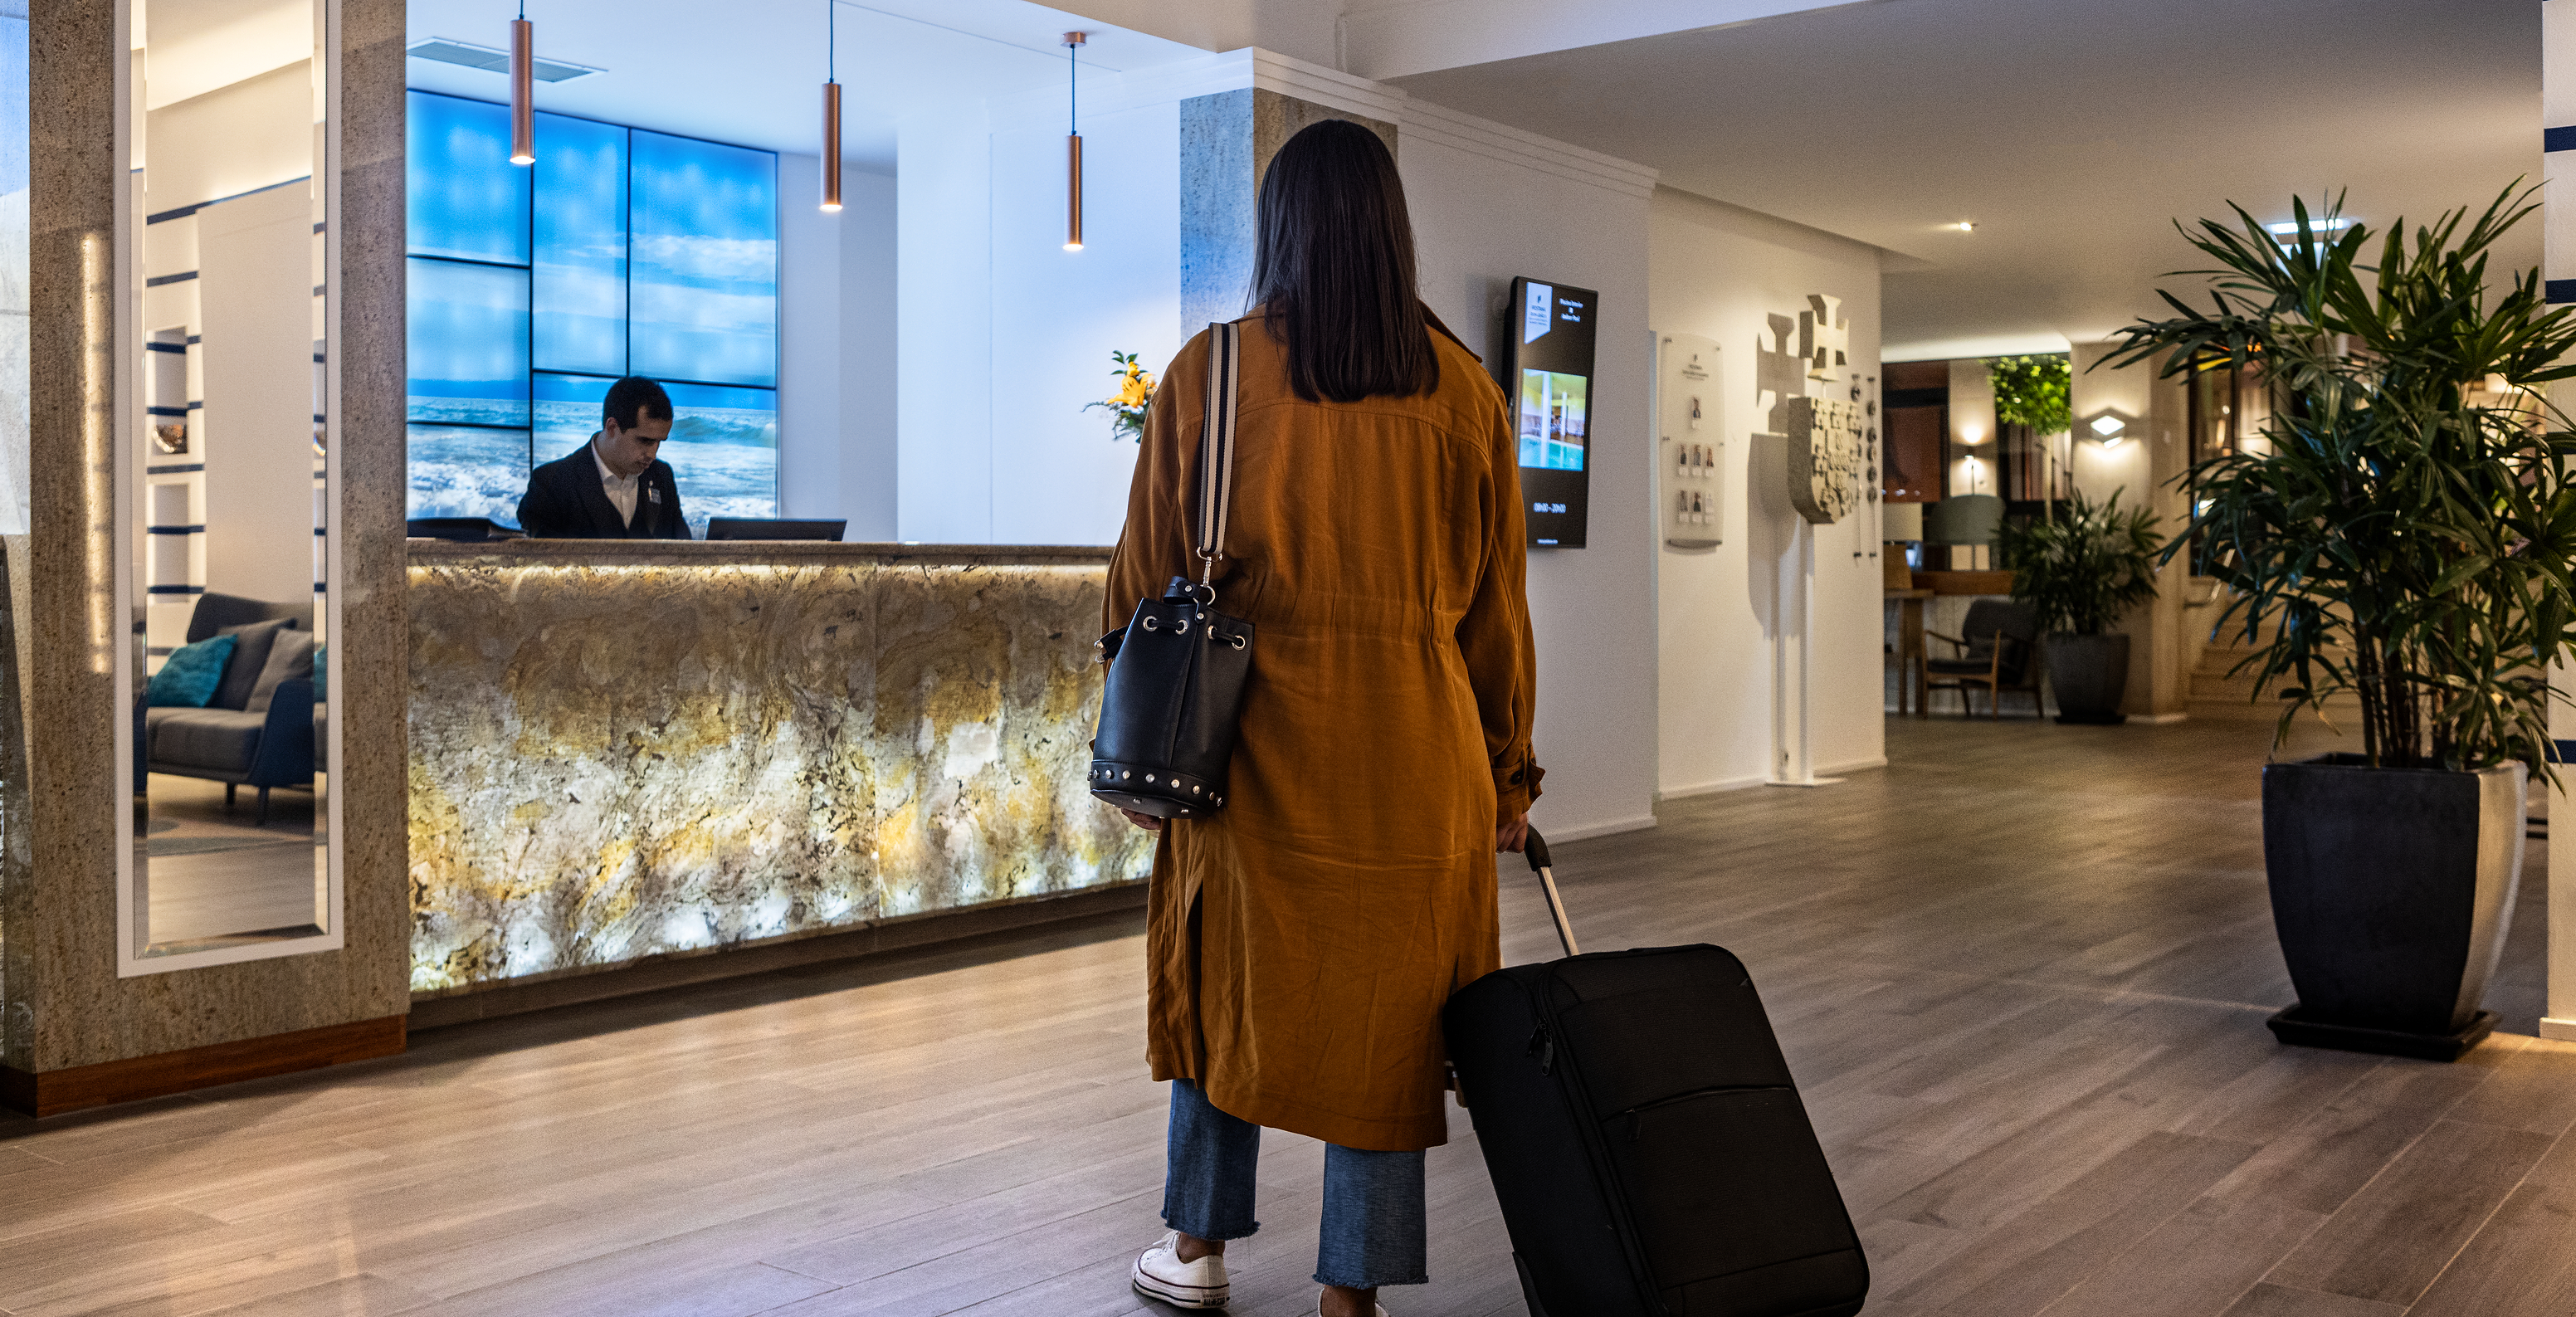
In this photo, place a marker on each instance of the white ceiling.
(2070, 133)
(751, 72)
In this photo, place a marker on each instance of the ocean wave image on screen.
(724, 458)
(461, 471)
(466, 411)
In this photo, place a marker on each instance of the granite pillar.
(72, 1031)
(1227, 140)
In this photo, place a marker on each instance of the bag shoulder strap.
(1216, 444)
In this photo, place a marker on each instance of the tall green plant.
(2032, 391)
(2411, 535)
(2083, 570)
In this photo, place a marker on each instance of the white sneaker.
(1319, 1305)
(1161, 1274)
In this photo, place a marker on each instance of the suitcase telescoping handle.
(1536, 852)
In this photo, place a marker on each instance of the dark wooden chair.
(1999, 652)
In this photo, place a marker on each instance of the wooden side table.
(1909, 650)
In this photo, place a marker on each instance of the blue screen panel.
(458, 471)
(705, 292)
(468, 343)
(567, 412)
(580, 223)
(464, 197)
(724, 451)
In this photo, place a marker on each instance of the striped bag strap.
(1216, 444)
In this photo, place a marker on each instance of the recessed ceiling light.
(1963, 226)
(2316, 224)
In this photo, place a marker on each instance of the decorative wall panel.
(621, 752)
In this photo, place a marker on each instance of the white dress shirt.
(621, 489)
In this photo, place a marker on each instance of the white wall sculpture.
(1826, 456)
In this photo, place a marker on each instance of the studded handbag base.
(1177, 669)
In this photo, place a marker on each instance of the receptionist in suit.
(615, 487)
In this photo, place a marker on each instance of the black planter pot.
(2392, 889)
(2089, 674)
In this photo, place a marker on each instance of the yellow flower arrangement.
(1135, 394)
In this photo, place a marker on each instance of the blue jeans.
(1373, 1217)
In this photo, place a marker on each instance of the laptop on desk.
(763, 528)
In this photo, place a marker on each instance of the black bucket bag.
(1177, 669)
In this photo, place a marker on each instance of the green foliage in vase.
(2408, 526)
(2031, 391)
(2086, 568)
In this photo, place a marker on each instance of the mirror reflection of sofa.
(257, 729)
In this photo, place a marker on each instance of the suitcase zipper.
(1614, 1195)
(1543, 1046)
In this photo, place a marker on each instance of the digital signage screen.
(1547, 374)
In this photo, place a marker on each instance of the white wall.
(255, 295)
(1490, 203)
(836, 311)
(1058, 477)
(1721, 271)
(1002, 335)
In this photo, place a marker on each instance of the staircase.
(2211, 681)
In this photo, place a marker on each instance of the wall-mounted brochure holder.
(1690, 441)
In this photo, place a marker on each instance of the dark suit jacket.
(566, 501)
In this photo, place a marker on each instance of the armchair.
(1999, 653)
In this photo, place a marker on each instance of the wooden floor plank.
(2282, 1301)
(2021, 975)
(2389, 1242)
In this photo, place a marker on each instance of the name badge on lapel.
(653, 493)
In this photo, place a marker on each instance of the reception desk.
(623, 750)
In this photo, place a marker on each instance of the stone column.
(1227, 140)
(73, 1033)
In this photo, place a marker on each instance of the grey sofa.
(240, 739)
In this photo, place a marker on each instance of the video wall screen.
(533, 287)
(1550, 333)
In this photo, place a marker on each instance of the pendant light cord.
(831, 40)
(1072, 80)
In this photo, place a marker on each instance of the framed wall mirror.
(226, 481)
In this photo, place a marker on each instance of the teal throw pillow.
(189, 677)
(322, 672)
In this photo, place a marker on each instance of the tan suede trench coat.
(1300, 944)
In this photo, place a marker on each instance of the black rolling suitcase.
(1645, 1140)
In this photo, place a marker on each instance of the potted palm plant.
(2079, 572)
(2406, 526)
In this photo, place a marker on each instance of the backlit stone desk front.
(623, 750)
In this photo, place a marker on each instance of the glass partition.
(226, 483)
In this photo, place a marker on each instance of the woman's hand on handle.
(1513, 835)
(1146, 821)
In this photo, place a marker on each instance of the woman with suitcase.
(1302, 938)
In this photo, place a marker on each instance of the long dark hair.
(1335, 269)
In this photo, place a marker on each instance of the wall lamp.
(2110, 427)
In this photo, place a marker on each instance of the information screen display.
(1550, 334)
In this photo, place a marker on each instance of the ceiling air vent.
(449, 51)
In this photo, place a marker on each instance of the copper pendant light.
(1072, 145)
(523, 90)
(831, 107)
